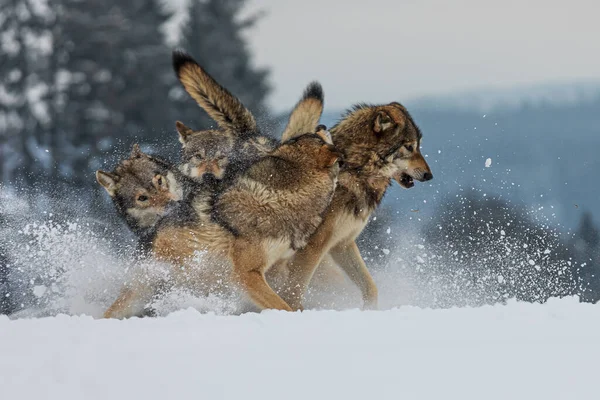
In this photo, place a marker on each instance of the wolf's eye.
(159, 181)
(408, 147)
(142, 198)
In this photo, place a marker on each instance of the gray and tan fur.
(288, 189)
(146, 186)
(306, 113)
(223, 107)
(378, 143)
(217, 156)
(220, 154)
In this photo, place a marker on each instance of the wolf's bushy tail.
(307, 112)
(218, 102)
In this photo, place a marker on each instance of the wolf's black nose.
(427, 176)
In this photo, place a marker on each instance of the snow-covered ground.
(517, 351)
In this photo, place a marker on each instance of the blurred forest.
(80, 81)
(83, 78)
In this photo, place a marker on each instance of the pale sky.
(387, 50)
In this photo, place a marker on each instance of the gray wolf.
(378, 143)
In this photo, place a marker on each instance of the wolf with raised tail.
(220, 154)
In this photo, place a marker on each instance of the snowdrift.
(517, 351)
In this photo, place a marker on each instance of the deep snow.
(517, 351)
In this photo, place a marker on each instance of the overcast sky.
(385, 50)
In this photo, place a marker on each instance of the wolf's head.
(408, 159)
(142, 188)
(411, 165)
(386, 130)
(206, 154)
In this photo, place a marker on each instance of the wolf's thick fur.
(306, 113)
(222, 154)
(142, 188)
(268, 212)
(229, 113)
(219, 155)
(378, 143)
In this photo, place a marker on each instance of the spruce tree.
(25, 88)
(117, 75)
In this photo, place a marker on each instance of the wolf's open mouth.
(405, 180)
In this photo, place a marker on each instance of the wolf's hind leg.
(249, 264)
(303, 264)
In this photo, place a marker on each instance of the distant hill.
(489, 99)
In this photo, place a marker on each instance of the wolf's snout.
(427, 176)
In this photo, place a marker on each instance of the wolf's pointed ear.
(136, 151)
(382, 122)
(184, 132)
(108, 181)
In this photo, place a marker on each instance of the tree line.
(81, 79)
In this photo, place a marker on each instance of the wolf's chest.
(348, 226)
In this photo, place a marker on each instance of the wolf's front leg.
(348, 257)
(131, 302)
